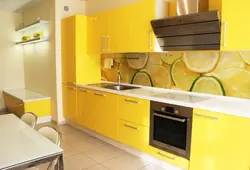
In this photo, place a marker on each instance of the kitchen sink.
(121, 87)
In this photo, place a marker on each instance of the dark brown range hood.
(192, 29)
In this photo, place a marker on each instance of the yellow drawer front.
(40, 108)
(134, 110)
(133, 135)
(170, 158)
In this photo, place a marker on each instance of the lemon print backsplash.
(219, 73)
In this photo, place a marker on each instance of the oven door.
(171, 133)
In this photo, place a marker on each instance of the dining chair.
(30, 119)
(54, 136)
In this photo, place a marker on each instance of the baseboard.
(126, 148)
(44, 119)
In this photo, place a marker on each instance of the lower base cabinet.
(133, 135)
(69, 102)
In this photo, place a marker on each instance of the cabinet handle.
(103, 44)
(97, 94)
(71, 88)
(225, 34)
(150, 40)
(206, 116)
(71, 83)
(85, 91)
(108, 43)
(131, 101)
(166, 156)
(132, 127)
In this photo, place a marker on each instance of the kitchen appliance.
(170, 128)
(194, 28)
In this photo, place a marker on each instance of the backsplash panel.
(219, 73)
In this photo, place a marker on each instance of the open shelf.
(32, 41)
(33, 25)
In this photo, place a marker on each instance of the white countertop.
(25, 95)
(221, 104)
(20, 143)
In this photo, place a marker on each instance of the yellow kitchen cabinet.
(70, 103)
(77, 66)
(170, 158)
(142, 36)
(119, 30)
(133, 135)
(106, 105)
(219, 142)
(134, 110)
(97, 32)
(235, 26)
(85, 105)
(40, 107)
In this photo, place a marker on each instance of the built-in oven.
(170, 128)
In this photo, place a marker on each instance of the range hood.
(194, 28)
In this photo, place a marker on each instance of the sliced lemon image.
(210, 85)
(228, 60)
(169, 58)
(127, 73)
(245, 56)
(160, 76)
(181, 76)
(137, 61)
(236, 82)
(201, 62)
(142, 78)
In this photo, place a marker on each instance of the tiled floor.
(82, 151)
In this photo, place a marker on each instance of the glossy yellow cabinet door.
(68, 51)
(118, 30)
(235, 26)
(107, 118)
(97, 32)
(133, 135)
(142, 37)
(85, 104)
(219, 142)
(134, 110)
(69, 102)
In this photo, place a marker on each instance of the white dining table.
(22, 147)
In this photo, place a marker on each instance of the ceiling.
(15, 5)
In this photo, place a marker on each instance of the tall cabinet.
(78, 67)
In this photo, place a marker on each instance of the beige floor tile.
(104, 153)
(125, 162)
(97, 167)
(86, 145)
(152, 167)
(78, 162)
(68, 150)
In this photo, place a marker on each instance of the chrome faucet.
(119, 77)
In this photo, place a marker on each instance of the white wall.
(39, 59)
(11, 56)
(96, 6)
(75, 7)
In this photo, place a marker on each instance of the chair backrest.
(30, 119)
(51, 133)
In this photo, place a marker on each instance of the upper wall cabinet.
(78, 67)
(125, 29)
(235, 25)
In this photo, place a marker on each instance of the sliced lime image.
(201, 62)
(142, 78)
(245, 55)
(208, 84)
(160, 76)
(181, 76)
